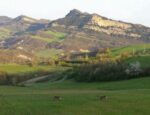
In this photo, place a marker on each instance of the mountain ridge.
(78, 20)
(77, 31)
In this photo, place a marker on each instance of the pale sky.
(135, 11)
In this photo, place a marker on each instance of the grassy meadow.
(124, 98)
(15, 68)
(49, 53)
(131, 48)
(55, 36)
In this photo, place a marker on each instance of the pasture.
(131, 97)
(17, 69)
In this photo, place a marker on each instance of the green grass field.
(14, 68)
(124, 98)
(118, 51)
(140, 83)
(49, 53)
(57, 36)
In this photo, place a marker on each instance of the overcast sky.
(135, 11)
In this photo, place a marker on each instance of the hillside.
(19, 25)
(77, 20)
(76, 32)
(92, 31)
(15, 56)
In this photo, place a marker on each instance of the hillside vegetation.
(4, 33)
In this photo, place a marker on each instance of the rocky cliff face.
(78, 20)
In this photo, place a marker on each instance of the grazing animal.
(103, 98)
(57, 98)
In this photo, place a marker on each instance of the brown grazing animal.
(57, 98)
(103, 98)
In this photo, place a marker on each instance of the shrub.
(101, 72)
(134, 69)
(14, 79)
(146, 71)
(3, 77)
(110, 71)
